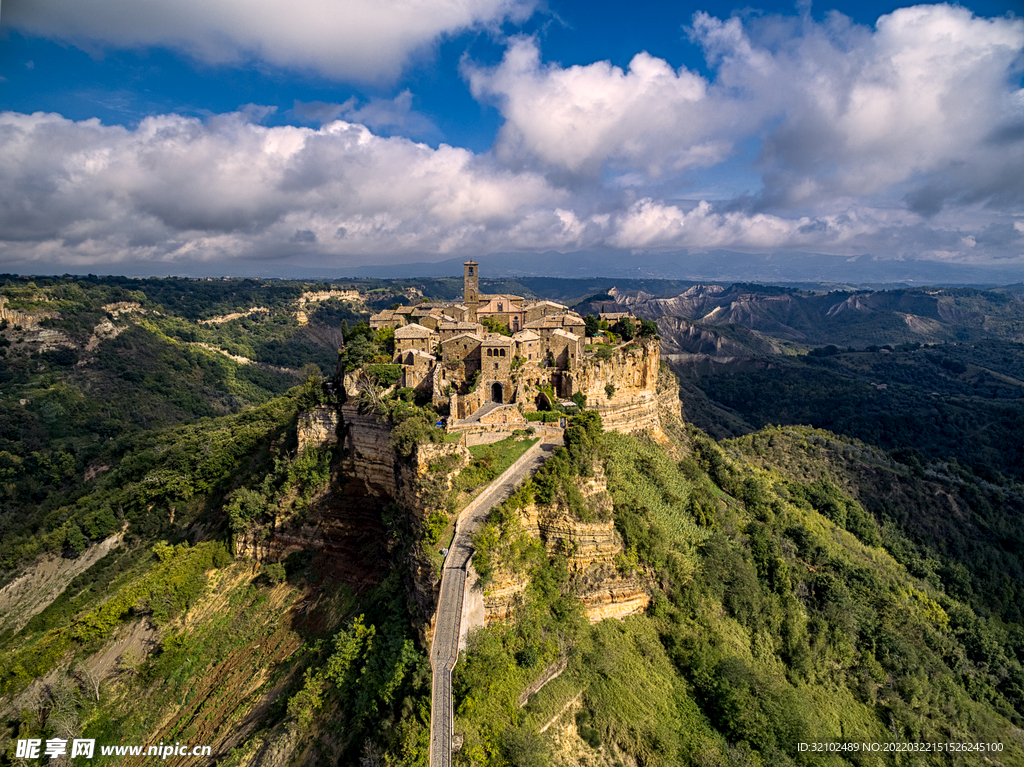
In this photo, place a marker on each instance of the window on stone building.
(495, 365)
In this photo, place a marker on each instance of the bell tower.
(471, 287)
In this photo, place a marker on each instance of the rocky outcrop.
(367, 457)
(25, 319)
(591, 550)
(318, 427)
(221, 319)
(631, 375)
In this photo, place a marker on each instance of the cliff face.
(318, 427)
(346, 520)
(25, 319)
(367, 457)
(590, 549)
(638, 400)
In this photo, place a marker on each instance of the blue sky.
(249, 137)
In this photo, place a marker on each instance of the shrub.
(384, 375)
(543, 416)
(609, 389)
(273, 573)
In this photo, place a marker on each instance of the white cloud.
(926, 106)
(347, 39)
(390, 115)
(176, 187)
(179, 190)
(903, 140)
(581, 117)
(926, 100)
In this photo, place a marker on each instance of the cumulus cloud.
(180, 188)
(381, 115)
(581, 117)
(347, 39)
(914, 106)
(925, 108)
(902, 140)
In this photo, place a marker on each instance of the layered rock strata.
(590, 549)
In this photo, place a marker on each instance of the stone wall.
(506, 415)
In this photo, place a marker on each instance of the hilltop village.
(493, 357)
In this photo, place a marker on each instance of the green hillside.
(851, 582)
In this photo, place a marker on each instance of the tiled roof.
(412, 331)
(526, 335)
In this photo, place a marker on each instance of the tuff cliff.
(593, 551)
(348, 518)
(630, 391)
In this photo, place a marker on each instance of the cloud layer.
(902, 140)
(178, 188)
(926, 100)
(351, 39)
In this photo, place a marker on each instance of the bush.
(416, 428)
(586, 730)
(609, 389)
(384, 375)
(546, 416)
(274, 573)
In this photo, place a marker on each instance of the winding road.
(444, 653)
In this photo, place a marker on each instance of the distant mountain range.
(745, 319)
(717, 265)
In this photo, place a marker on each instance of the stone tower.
(471, 287)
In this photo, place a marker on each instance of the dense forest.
(833, 548)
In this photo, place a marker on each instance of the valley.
(793, 516)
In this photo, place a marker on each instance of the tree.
(494, 326)
(648, 329)
(90, 679)
(593, 325)
(626, 328)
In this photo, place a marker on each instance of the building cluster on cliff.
(450, 351)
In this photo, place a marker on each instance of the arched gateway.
(496, 393)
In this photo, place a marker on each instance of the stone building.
(508, 310)
(409, 337)
(450, 329)
(528, 346)
(386, 319)
(445, 349)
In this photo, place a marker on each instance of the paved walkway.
(444, 653)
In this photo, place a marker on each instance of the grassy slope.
(773, 626)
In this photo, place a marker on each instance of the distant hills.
(716, 265)
(752, 319)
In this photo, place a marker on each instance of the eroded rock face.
(318, 427)
(346, 520)
(633, 374)
(367, 455)
(591, 550)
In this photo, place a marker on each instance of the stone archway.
(496, 394)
